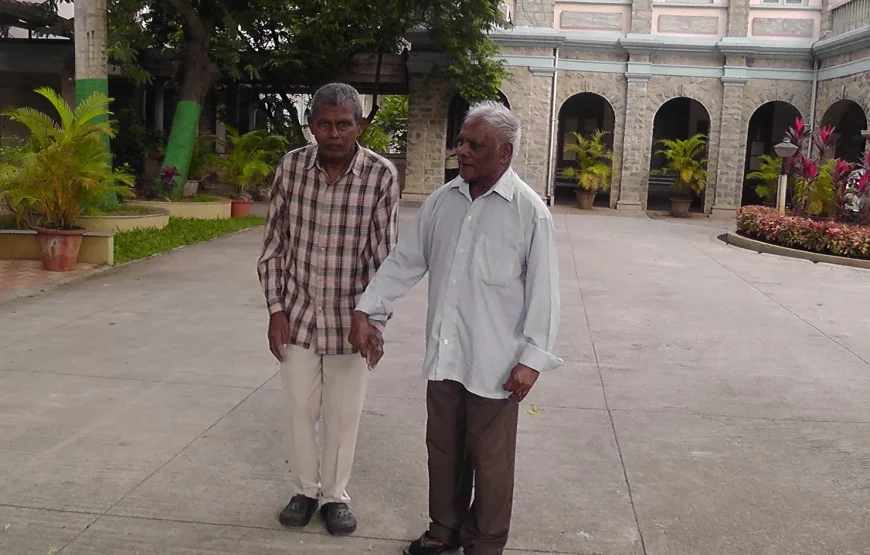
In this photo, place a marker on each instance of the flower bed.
(766, 224)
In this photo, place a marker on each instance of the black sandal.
(427, 545)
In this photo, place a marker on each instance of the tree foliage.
(306, 42)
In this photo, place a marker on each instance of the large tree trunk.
(200, 74)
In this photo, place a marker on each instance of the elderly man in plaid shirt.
(332, 221)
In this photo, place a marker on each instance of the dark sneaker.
(427, 545)
(298, 511)
(339, 520)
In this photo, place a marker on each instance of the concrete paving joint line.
(607, 404)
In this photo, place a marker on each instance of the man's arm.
(406, 264)
(542, 305)
(271, 265)
(384, 228)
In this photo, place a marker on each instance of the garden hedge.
(768, 225)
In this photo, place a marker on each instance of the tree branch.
(195, 28)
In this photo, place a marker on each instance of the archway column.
(732, 150)
(428, 97)
(637, 138)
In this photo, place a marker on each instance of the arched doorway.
(676, 119)
(767, 128)
(849, 119)
(456, 112)
(583, 113)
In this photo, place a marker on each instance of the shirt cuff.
(538, 359)
(378, 325)
(375, 307)
(275, 307)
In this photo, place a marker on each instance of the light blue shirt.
(493, 283)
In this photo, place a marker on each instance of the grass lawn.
(142, 243)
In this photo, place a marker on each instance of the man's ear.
(507, 153)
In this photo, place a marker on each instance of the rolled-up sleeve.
(541, 299)
(272, 259)
(406, 265)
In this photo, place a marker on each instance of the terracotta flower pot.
(240, 208)
(60, 248)
(585, 199)
(680, 207)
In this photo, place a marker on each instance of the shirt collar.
(356, 165)
(504, 187)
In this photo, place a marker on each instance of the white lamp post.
(784, 150)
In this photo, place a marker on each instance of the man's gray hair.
(338, 94)
(504, 123)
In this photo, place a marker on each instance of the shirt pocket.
(496, 260)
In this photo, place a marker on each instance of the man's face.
(336, 130)
(478, 153)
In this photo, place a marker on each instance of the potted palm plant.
(593, 167)
(768, 176)
(64, 171)
(687, 160)
(246, 163)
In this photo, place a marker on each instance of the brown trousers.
(472, 448)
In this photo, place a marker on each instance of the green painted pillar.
(92, 64)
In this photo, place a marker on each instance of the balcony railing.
(851, 15)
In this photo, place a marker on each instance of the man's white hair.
(505, 124)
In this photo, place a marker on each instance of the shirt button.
(469, 218)
(319, 309)
(446, 342)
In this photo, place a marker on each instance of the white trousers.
(332, 387)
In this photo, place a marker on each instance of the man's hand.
(279, 333)
(366, 339)
(521, 381)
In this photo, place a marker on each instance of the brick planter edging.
(760, 246)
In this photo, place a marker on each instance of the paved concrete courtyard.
(713, 401)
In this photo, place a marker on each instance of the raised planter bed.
(156, 218)
(97, 248)
(748, 243)
(210, 210)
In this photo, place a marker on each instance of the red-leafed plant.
(766, 224)
(820, 186)
(859, 189)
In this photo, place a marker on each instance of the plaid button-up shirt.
(324, 242)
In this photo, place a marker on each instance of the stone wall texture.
(529, 97)
(846, 57)
(696, 24)
(534, 13)
(853, 87)
(428, 100)
(738, 18)
(641, 17)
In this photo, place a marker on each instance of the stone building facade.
(737, 71)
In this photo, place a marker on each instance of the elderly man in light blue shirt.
(486, 240)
